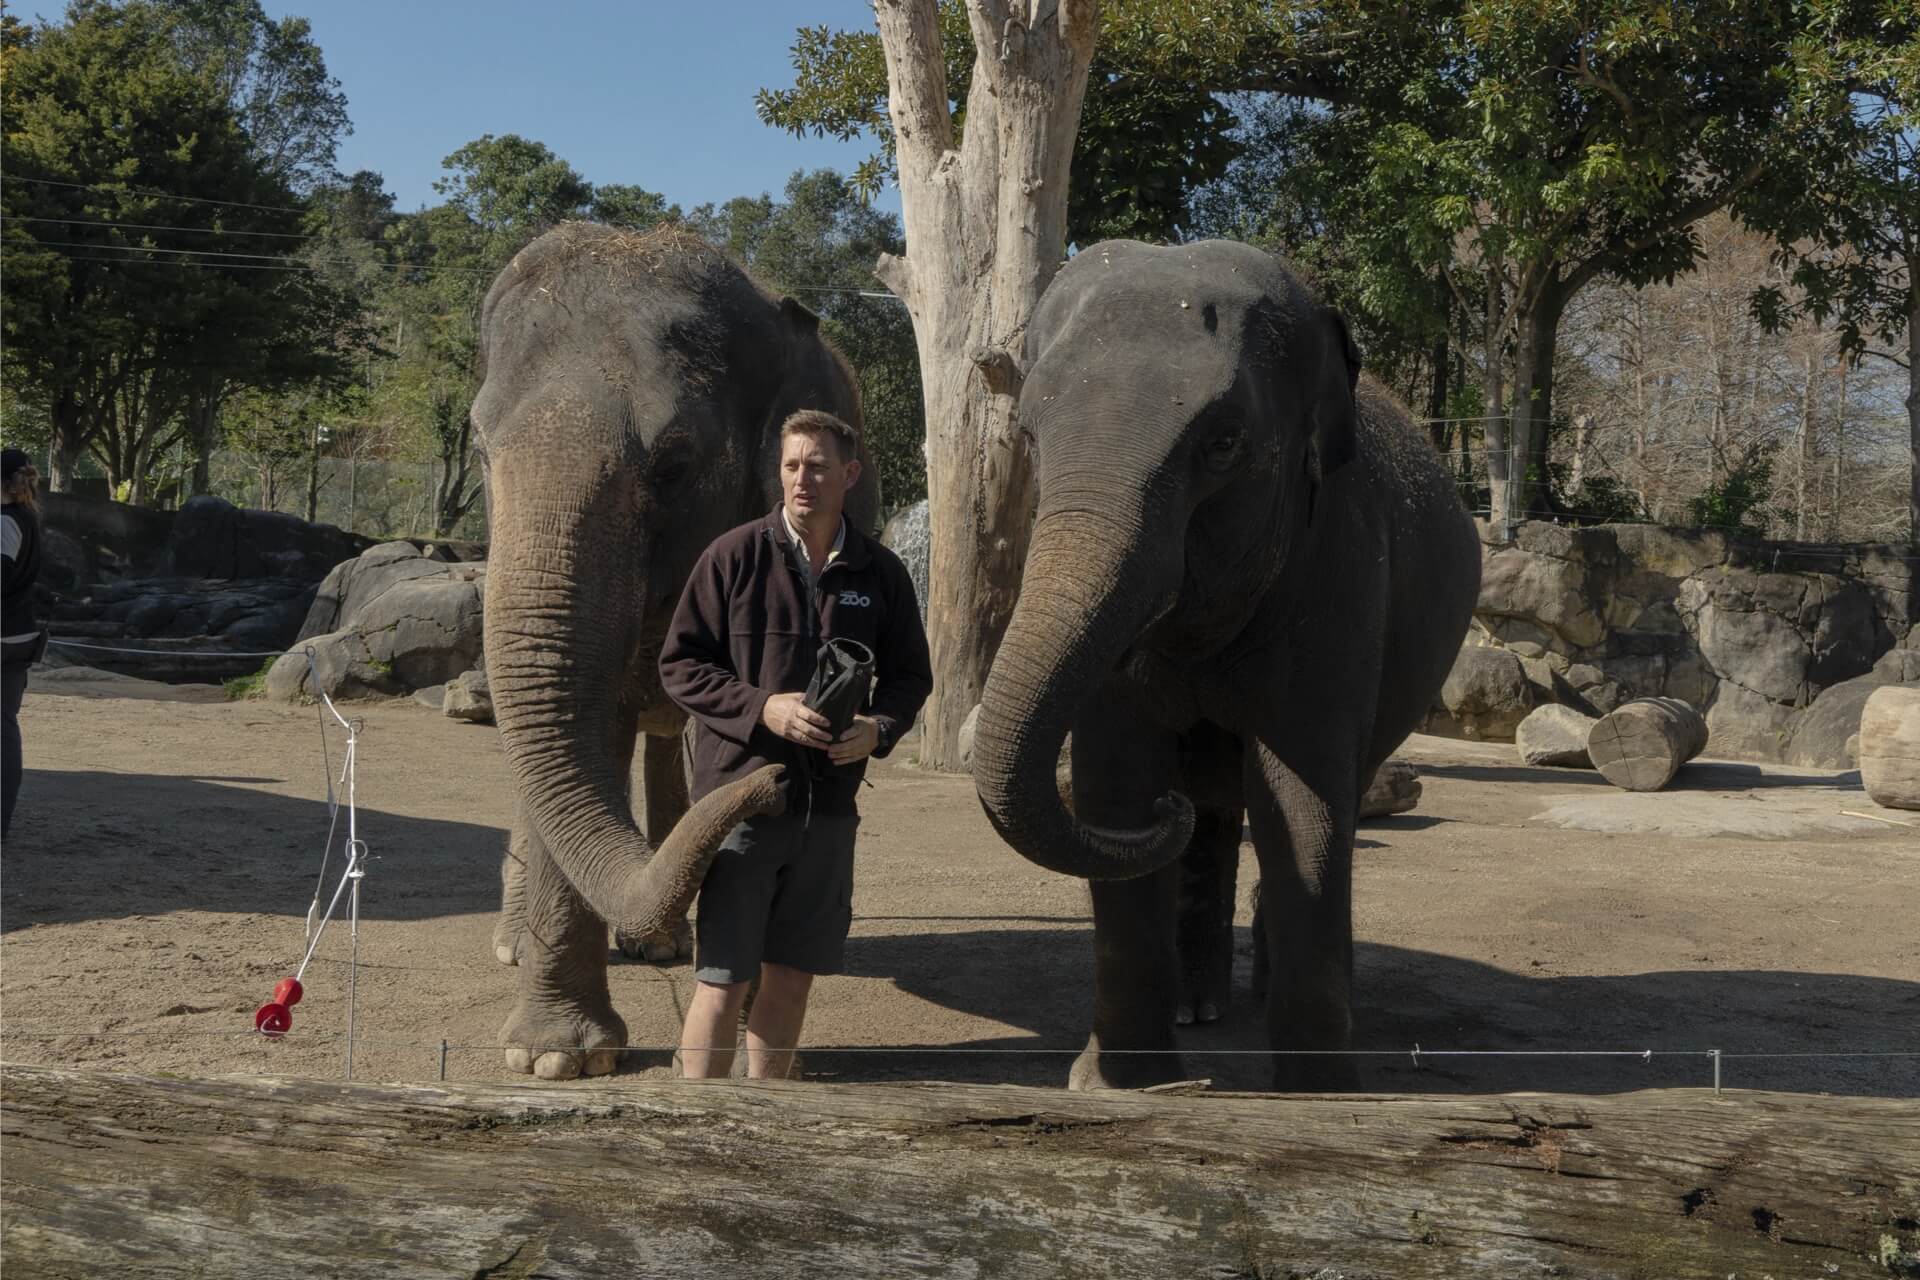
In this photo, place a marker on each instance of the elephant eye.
(1223, 449)
(670, 468)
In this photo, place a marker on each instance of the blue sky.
(649, 92)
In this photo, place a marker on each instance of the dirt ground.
(168, 842)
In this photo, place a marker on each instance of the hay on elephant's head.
(590, 251)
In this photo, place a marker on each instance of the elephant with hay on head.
(1249, 576)
(630, 414)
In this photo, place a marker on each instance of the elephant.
(634, 386)
(1249, 575)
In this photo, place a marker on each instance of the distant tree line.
(1645, 260)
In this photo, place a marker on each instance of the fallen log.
(1640, 745)
(248, 1176)
(1890, 746)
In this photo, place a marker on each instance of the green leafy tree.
(137, 220)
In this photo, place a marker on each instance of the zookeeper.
(743, 648)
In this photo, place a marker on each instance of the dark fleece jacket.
(746, 630)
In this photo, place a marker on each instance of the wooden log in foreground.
(1641, 744)
(250, 1176)
(1890, 746)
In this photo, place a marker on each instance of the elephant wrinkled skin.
(635, 386)
(1249, 576)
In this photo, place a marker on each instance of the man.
(756, 610)
(22, 642)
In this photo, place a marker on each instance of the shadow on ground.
(100, 845)
(1041, 980)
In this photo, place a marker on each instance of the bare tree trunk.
(1500, 507)
(69, 439)
(985, 220)
(1836, 527)
(313, 475)
(1913, 401)
(1805, 462)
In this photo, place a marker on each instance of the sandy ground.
(168, 842)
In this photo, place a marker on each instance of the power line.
(152, 226)
(162, 195)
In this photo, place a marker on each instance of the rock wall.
(1751, 632)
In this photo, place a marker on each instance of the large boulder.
(1486, 696)
(469, 697)
(1824, 737)
(1890, 746)
(400, 622)
(212, 538)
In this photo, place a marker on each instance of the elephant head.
(1187, 405)
(635, 385)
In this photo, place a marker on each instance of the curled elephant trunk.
(1082, 603)
(561, 617)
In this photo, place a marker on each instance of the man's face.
(814, 482)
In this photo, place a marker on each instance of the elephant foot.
(1201, 1009)
(1094, 1069)
(1204, 999)
(663, 946)
(562, 1039)
(506, 946)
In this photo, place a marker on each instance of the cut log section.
(248, 1176)
(1641, 744)
(1890, 746)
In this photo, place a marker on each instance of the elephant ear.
(1333, 440)
(798, 314)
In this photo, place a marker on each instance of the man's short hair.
(818, 422)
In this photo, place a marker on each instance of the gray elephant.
(1249, 576)
(635, 386)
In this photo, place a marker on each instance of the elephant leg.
(563, 1024)
(664, 791)
(1303, 821)
(513, 892)
(1208, 872)
(1119, 766)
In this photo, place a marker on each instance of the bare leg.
(713, 1021)
(773, 1028)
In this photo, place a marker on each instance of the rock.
(1555, 735)
(1822, 733)
(967, 728)
(434, 696)
(212, 538)
(401, 623)
(1890, 746)
(469, 698)
(908, 536)
(1486, 696)
(1395, 789)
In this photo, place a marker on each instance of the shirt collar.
(839, 537)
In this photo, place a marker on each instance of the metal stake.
(1715, 1055)
(443, 1061)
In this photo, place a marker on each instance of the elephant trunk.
(562, 616)
(1085, 598)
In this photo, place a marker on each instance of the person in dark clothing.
(21, 640)
(743, 646)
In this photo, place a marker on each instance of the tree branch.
(916, 82)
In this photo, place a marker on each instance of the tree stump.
(1395, 789)
(1890, 746)
(1640, 745)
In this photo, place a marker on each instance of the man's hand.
(861, 740)
(788, 716)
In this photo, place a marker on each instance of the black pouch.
(25, 652)
(842, 678)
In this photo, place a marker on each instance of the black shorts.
(780, 891)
